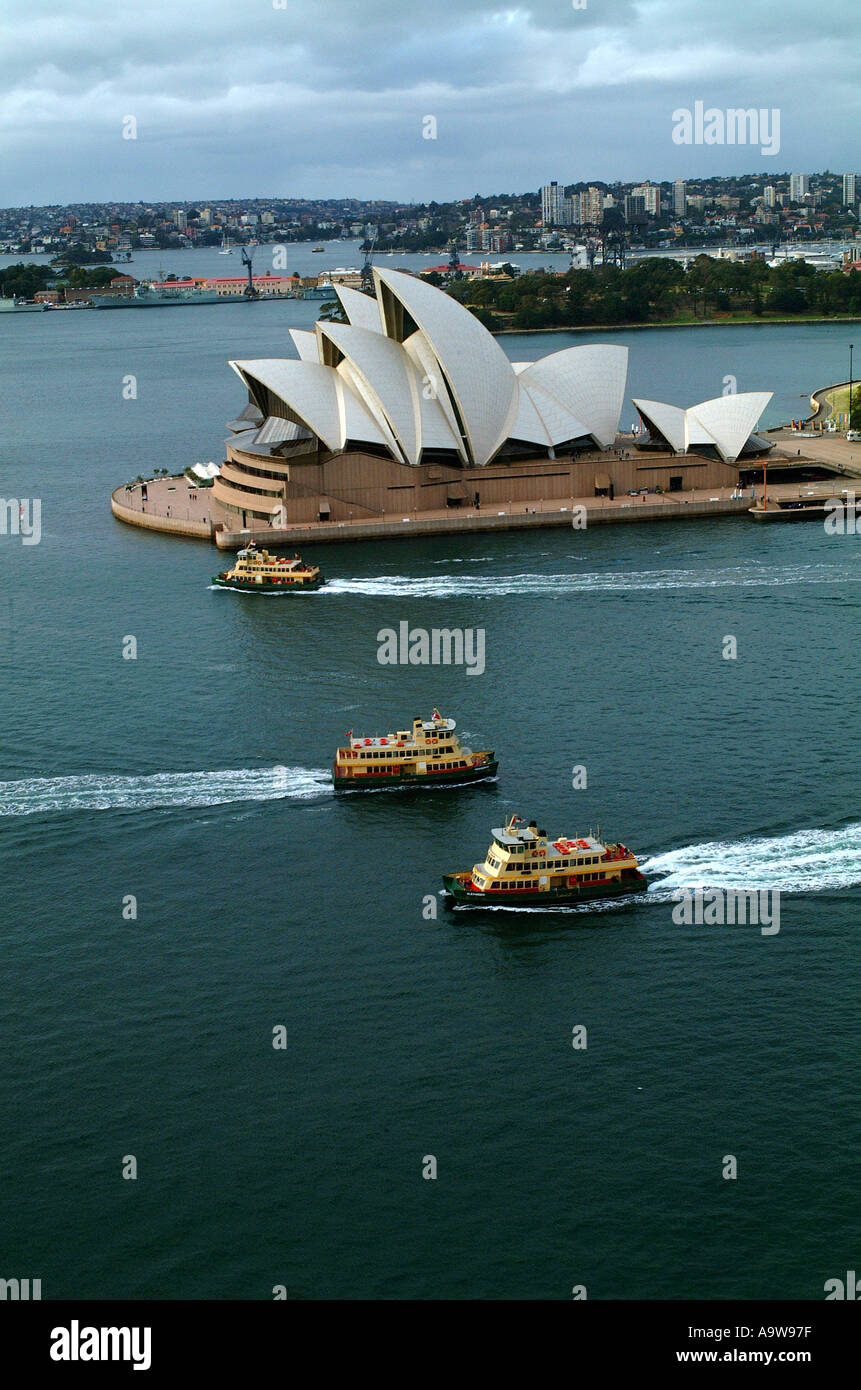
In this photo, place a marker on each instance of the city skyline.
(124, 105)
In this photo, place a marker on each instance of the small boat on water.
(428, 755)
(258, 572)
(523, 868)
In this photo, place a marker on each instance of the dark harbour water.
(194, 779)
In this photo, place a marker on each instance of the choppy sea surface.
(177, 879)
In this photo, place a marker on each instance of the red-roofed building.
(264, 284)
(472, 271)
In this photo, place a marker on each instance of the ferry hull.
(244, 586)
(455, 777)
(459, 892)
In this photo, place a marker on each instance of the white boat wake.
(494, 586)
(805, 861)
(111, 792)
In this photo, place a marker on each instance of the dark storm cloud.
(328, 98)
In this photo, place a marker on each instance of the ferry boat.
(428, 755)
(258, 572)
(522, 867)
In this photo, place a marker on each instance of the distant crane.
(251, 291)
(367, 278)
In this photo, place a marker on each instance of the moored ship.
(522, 867)
(428, 755)
(13, 305)
(151, 297)
(258, 572)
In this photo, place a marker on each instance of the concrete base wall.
(322, 533)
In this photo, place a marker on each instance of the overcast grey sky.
(326, 98)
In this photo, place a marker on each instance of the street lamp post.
(851, 350)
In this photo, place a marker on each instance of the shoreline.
(677, 323)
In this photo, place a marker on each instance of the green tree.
(22, 281)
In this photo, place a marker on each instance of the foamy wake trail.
(94, 792)
(492, 586)
(805, 861)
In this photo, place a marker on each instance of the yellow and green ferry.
(430, 754)
(258, 572)
(523, 868)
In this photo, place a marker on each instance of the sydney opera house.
(412, 405)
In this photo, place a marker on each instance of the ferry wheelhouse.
(429, 754)
(258, 572)
(522, 866)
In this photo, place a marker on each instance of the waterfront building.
(268, 284)
(679, 197)
(412, 407)
(849, 190)
(769, 195)
(410, 403)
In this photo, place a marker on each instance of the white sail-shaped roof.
(415, 371)
(317, 397)
(387, 376)
(724, 423)
(559, 424)
(668, 420)
(350, 377)
(476, 369)
(731, 420)
(357, 422)
(434, 386)
(361, 310)
(529, 424)
(305, 343)
(589, 382)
